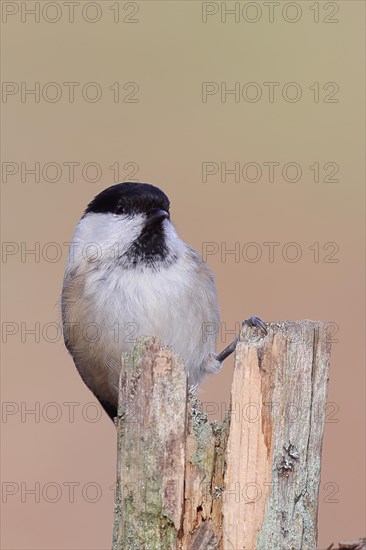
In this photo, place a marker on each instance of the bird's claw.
(255, 322)
(252, 322)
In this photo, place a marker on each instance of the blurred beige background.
(57, 474)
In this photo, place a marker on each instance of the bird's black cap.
(129, 198)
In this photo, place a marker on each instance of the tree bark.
(250, 483)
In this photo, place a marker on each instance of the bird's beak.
(156, 215)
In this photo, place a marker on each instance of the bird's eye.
(119, 209)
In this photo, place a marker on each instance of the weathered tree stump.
(250, 483)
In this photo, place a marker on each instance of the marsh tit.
(129, 275)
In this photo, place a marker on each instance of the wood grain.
(250, 483)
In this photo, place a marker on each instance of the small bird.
(128, 275)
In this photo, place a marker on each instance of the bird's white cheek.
(101, 237)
